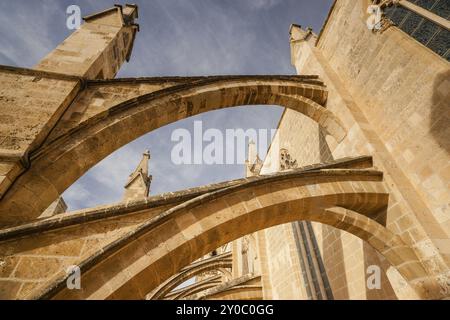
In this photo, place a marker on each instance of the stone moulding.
(216, 262)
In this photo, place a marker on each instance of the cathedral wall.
(33, 102)
(280, 268)
(345, 256)
(403, 89)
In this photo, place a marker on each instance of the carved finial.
(253, 162)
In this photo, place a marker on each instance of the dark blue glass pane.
(441, 42)
(412, 21)
(425, 31)
(389, 11)
(426, 4)
(398, 15)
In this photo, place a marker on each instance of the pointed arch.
(194, 269)
(141, 260)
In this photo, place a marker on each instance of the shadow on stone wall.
(324, 149)
(385, 292)
(440, 112)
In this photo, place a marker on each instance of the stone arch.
(226, 272)
(60, 162)
(242, 292)
(196, 268)
(141, 260)
(246, 287)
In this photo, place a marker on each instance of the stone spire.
(138, 185)
(297, 33)
(298, 36)
(253, 162)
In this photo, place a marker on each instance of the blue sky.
(177, 37)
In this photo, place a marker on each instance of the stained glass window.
(423, 30)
